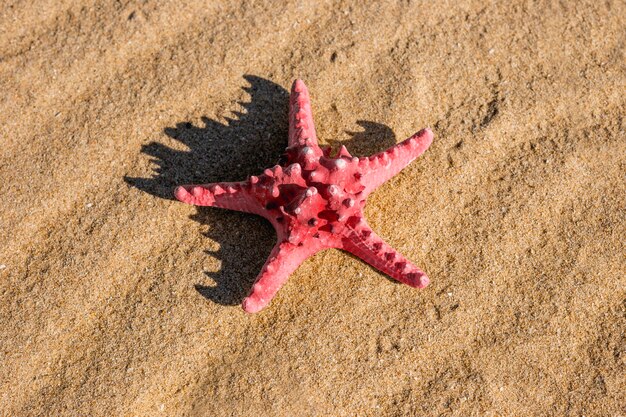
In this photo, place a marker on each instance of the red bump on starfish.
(314, 202)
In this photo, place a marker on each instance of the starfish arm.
(301, 127)
(283, 260)
(384, 165)
(228, 195)
(364, 243)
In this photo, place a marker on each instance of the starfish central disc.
(315, 201)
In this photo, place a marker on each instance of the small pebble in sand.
(89, 205)
(3, 266)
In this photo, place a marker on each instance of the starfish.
(315, 201)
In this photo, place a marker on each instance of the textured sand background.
(116, 300)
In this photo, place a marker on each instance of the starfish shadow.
(230, 151)
(374, 138)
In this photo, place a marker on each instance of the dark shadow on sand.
(231, 151)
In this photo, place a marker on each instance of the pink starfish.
(315, 202)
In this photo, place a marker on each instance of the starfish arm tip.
(416, 279)
(298, 85)
(283, 260)
(301, 125)
(182, 194)
(252, 305)
(418, 143)
(367, 245)
(227, 195)
(426, 136)
(197, 195)
(384, 165)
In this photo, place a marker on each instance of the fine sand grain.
(117, 300)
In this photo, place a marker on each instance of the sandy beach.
(116, 299)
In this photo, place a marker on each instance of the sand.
(117, 300)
